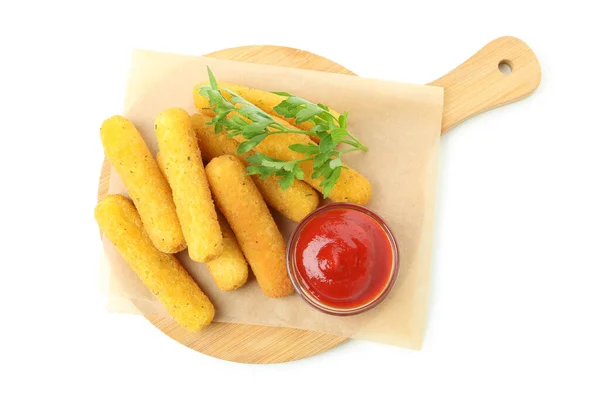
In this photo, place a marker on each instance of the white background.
(515, 273)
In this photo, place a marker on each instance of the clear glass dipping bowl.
(302, 287)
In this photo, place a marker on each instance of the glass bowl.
(302, 287)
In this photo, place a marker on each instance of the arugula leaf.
(263, 172)
(321, 159)
(336, 162)
(236, 116)
(307, 113)
(330, 181)
(321, 170)
(298, 172)
(337, 135)
(212, 80)
(305, 148)
(326, 144)
(248, 145)
(287, 181)
(343, 120)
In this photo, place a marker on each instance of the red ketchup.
(344, 257)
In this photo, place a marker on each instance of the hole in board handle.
(505, 66)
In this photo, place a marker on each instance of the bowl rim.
(292, 267)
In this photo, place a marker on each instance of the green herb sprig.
(256, 125)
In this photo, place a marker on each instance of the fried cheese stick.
(248, 215)
(161, 273)
(185, 174)
(127, 152)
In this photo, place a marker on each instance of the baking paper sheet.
(399, 122)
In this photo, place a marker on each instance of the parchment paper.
(400, 123)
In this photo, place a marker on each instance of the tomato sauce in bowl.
(343, 259)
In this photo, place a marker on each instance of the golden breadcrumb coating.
(127, 152)
(248, 215)
(185, 174)
(162, 273)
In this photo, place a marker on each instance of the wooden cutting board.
(473, 87)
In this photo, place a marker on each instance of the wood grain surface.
(473, 87)
(478, 85)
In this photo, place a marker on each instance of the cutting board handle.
(478, 84)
